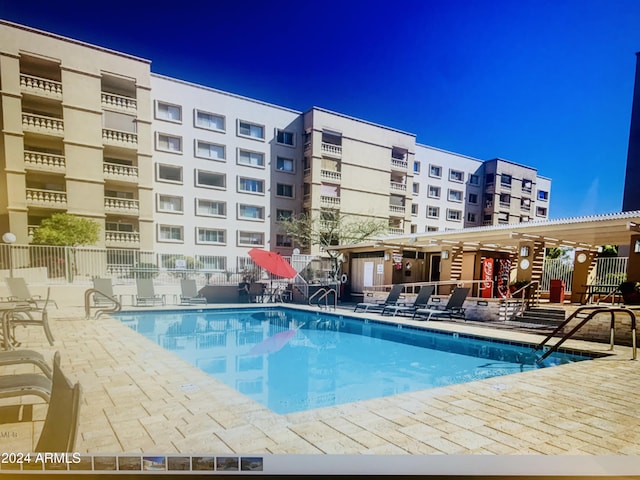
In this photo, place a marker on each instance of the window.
(251, 185)
(168, 203)
(119, 227)
(210, 235)
(250, 212)
(283, 214)
(434, 192)
(527, 185)
(505, 199)
(524, 219)
(169, 173)
(210, 150)
(210, 179)
(210, 121)
(284, 190)
(169, 143)
(433, 212)
(471, 217)
(210, 208)
(525, 203)
(505, 180)
(416, 167)
(253, 159)
(213, 262)
(170, 233)
(456, 176)
(473, 198)
(435, 171)
(250, 238)
(543, 195)
(454, 215)
(488, 200)
(414, 228)
(283, 241)
(416, 188)
(503, 217)
(474, 179)
(487, 219)
(541, 212)
(284, 164)
(455, 195)
(169, 112)
(284, 138)
(414, 209)
(489, 178)
(251, 130)
(430, 229)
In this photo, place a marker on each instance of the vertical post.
(9, 238)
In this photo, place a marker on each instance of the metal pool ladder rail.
(323, 294)
(87, 304)
(590, 313)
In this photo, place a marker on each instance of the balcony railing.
(398, 187)
(331, 149)
(121, 205)
(307, 172)
(116, 171)
(117, 137)
(331, 175)
(42, 124)
(398, 164)
(40, 86)
(44, 161)
(119, 102)
(329, 201)
(46, 198)
(396, 231)
(397, 209)
(121, 239)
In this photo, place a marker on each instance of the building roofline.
(360, 120)
(74, 41)
(469, 157)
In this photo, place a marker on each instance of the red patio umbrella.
(272, 262)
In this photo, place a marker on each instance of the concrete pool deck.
(139, 398)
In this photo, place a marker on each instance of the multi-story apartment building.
(186, 170)
(76, 136)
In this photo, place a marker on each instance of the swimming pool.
(291, 360)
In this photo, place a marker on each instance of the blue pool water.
(290, 360)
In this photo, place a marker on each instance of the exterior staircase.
(539, 318)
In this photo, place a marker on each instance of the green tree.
(328, 229)
(64, 229)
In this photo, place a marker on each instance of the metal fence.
(556, 269)
(608, 271)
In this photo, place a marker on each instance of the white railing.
(42, 86)
(331, 149)
(398, 187)
(115, 238)
(120, 172)
(397, 209)
(396, 230)
(45, 161)
(611, 270)
(121, 205)
(46, 198)
(329, 201)
(39, 123)
(119, 137)
(111, 100)
(331, 175)
(399, 164)
(307, 172)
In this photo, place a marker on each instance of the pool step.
(545, 317)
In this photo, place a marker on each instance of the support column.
(633, 267)
(583, 273)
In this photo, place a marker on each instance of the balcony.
(115, 171)
(46, 198)
(397, 187)
(123, 206)
(399, 164)
(40, 86)
(119, 138)
(119, 102)
(32, 122)
(331, 202)
(330, 175)
(397, 210)
(46, 162)
(396, 231)
(121, 239)
(331, 150)
(307, 172)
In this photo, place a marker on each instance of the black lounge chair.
(421, 301)
(391, 299)
(453, 308)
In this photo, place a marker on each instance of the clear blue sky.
(546, 83)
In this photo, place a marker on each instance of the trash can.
(556, 291)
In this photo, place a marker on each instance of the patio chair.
(21, 357)
(190, 294)
(453, 308)
(256, 292)
(20, 293)
(25, 314)
(60, 427)
(146, 295)
(421, 301)
(105, 287)
(391, 299)
(28, 383)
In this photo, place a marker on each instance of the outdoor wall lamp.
(636, 247)
(524, 251)
(9, 238)
(445, 254)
